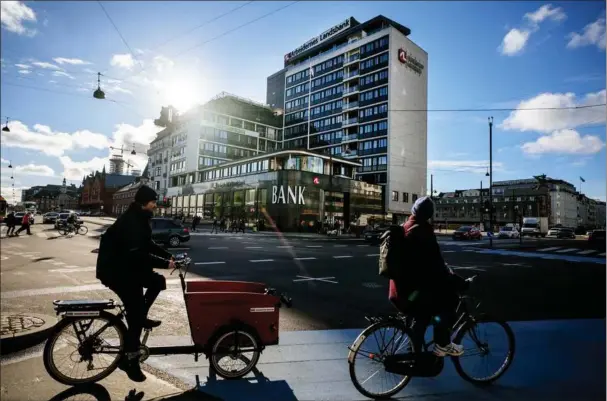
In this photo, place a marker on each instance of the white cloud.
(592, 34)
(23, 66)
(565, 141)
(163, 64)
(7, 193)
(24, 72)
(546, 121)
(514, 41)
(13, 16)
(470, 166)
(45, 65)
(72, 61)
(73, 170)
(34, 169)
(4, 161)
(62, 74)
(141, 136)
(90, 71)
(547, 11)
(52, 143)
(122, 61)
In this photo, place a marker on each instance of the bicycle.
(418, 360)
(76, 229)
(230, 321)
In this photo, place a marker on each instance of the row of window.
(213, 147)
(374, 161)
(327, 93)
(405, 197)
(375, 144)
(296, 117)
(298, 130)
(373, 127)
(326, 108)
(303, 88)
(328, 79)
(297, 103)
(327, 65)
(371, 46)
(373, 61)
(235, 171)
(298, 76)
(372, 111)
(325, 122)
(177, 139)
(329, 136)
(369, 79)
(178, 166)
(176, 153)
(374, 94)
(208, 161)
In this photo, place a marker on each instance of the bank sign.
(320, 38)
(286, 194)
(408, 60)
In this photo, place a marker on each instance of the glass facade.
(290, 199)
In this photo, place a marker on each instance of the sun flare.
(181, 95)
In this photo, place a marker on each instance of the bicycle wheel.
(82, 230)
(238, 350)
(386, 339)
(85, 351)
(476, 344)
(64, 231)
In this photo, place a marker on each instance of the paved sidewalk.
(22, 330)
(555, 360)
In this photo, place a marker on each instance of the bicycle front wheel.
(368, 354)
(64, 231)
(84, 350)
(82, 230)
(480, 351)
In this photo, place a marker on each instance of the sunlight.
(181, 95)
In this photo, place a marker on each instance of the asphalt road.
(333, 282)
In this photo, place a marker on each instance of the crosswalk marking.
(567, 250)
(554, 248)
(306, 258)
(342, 257)
(586, 252)
(602, 254)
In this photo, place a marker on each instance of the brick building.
(98, 190)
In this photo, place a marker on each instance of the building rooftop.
(118, 180)
(236, 106)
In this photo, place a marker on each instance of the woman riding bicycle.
(431, 289)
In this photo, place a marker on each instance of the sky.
(482, 55)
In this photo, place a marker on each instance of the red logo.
(316, 181)
(402, 55)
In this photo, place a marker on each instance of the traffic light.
(486, 206)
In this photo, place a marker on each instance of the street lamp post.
(491, 181)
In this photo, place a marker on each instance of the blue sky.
(481, 55)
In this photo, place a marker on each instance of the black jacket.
(126, 249)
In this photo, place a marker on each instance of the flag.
(583, 180)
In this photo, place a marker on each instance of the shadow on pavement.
(90, 392)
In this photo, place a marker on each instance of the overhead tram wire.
(503, 109)
(120, 34)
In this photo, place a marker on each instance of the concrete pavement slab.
(312, 365)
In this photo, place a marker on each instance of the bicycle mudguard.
(423, 364)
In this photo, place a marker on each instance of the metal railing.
(351, 89)
(348, 106)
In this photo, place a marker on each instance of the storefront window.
(305, 163)
(208, 206)
(200, 201)
(238, 208)
(179, 201)
(218, 206)
(227, 204)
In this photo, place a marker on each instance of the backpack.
(392, 252)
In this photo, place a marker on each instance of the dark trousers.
(137, 305)
(11, 230)
(24, 227)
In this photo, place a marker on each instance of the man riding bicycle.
(72, 222)
(431, 289)
(127, 256)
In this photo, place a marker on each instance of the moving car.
(467, 232)
(169, 232)
(553, 232)
(508, 232)
(49, 217)
(597, 238)
(565, 232)
(372, 236)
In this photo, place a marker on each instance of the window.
(414, 197)
(395, 195)
(406, 197)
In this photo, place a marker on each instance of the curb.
(10, 343)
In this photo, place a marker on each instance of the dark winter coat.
(126, 249)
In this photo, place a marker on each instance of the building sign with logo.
(408, 60)
(320, 38)
(286, 194)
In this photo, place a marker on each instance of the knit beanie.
(423, 208)
(145, 194)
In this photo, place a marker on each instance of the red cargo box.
(214, 305)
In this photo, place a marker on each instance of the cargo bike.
(231, 323)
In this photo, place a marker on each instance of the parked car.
(553, 232)
(19, 217)
(597, 238)
(169, 232)
(508, 232)
(566, 233)
(49, 217)
(61, 220)
(467, 232)
(372, 235)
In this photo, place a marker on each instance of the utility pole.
(481, 222)
(432, 193)
(491, 181)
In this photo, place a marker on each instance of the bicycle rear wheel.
(82, 230)
(473, 335)
(373, 345)
(95, 355)
(64, 231)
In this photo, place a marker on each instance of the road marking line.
(307, 258)
(373, 254)
(586, 252)
(469, 250)
(261, 260)
(323, 279)
(81, 269)
(218, 247)
(567, 250)
(57, 263)
(448, 251)
(313, 246)
(253, 247)
(363, 245)
(602, 254)
(285, 246)
(209, 263)
(342, 257)
(554, 248)
(340, 246)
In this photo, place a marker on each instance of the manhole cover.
(12, 325)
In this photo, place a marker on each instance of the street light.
(491, 181)
(99, 94)
(6, 128)
(10, 165)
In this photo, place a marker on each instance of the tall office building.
(350, 92)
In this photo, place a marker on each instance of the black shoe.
(132, 369)
(151, 323)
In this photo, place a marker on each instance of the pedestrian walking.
(11, 222)
(25, 224)
(214, 226)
